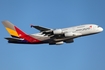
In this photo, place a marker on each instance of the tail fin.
(16, 32)
(13, 30)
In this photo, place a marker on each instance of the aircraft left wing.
(41, 29)
(46, 31)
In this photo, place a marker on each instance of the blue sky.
(86, 53)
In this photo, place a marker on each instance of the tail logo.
(12, 32)
(20, 35)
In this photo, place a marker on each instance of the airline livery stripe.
(12, 32)
(25, 36)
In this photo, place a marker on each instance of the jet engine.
(59, 43)
(56, 43)
(57, 31)
(69, 41)
(69, 34)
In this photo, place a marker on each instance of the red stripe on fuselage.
(23, 35)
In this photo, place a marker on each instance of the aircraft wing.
(41, 29)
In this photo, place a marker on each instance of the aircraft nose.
(101, 29)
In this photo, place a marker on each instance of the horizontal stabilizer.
(13, 39)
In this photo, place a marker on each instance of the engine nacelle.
(58, 31)
(56, 43)
(69, 41)
(69, 34)
(59, 43)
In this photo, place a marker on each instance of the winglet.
(31, 25)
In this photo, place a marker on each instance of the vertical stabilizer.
(10, 28)
(16, 32)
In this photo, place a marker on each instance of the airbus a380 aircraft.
(50, 36)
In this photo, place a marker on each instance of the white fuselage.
(84, 29)
(77, 31)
